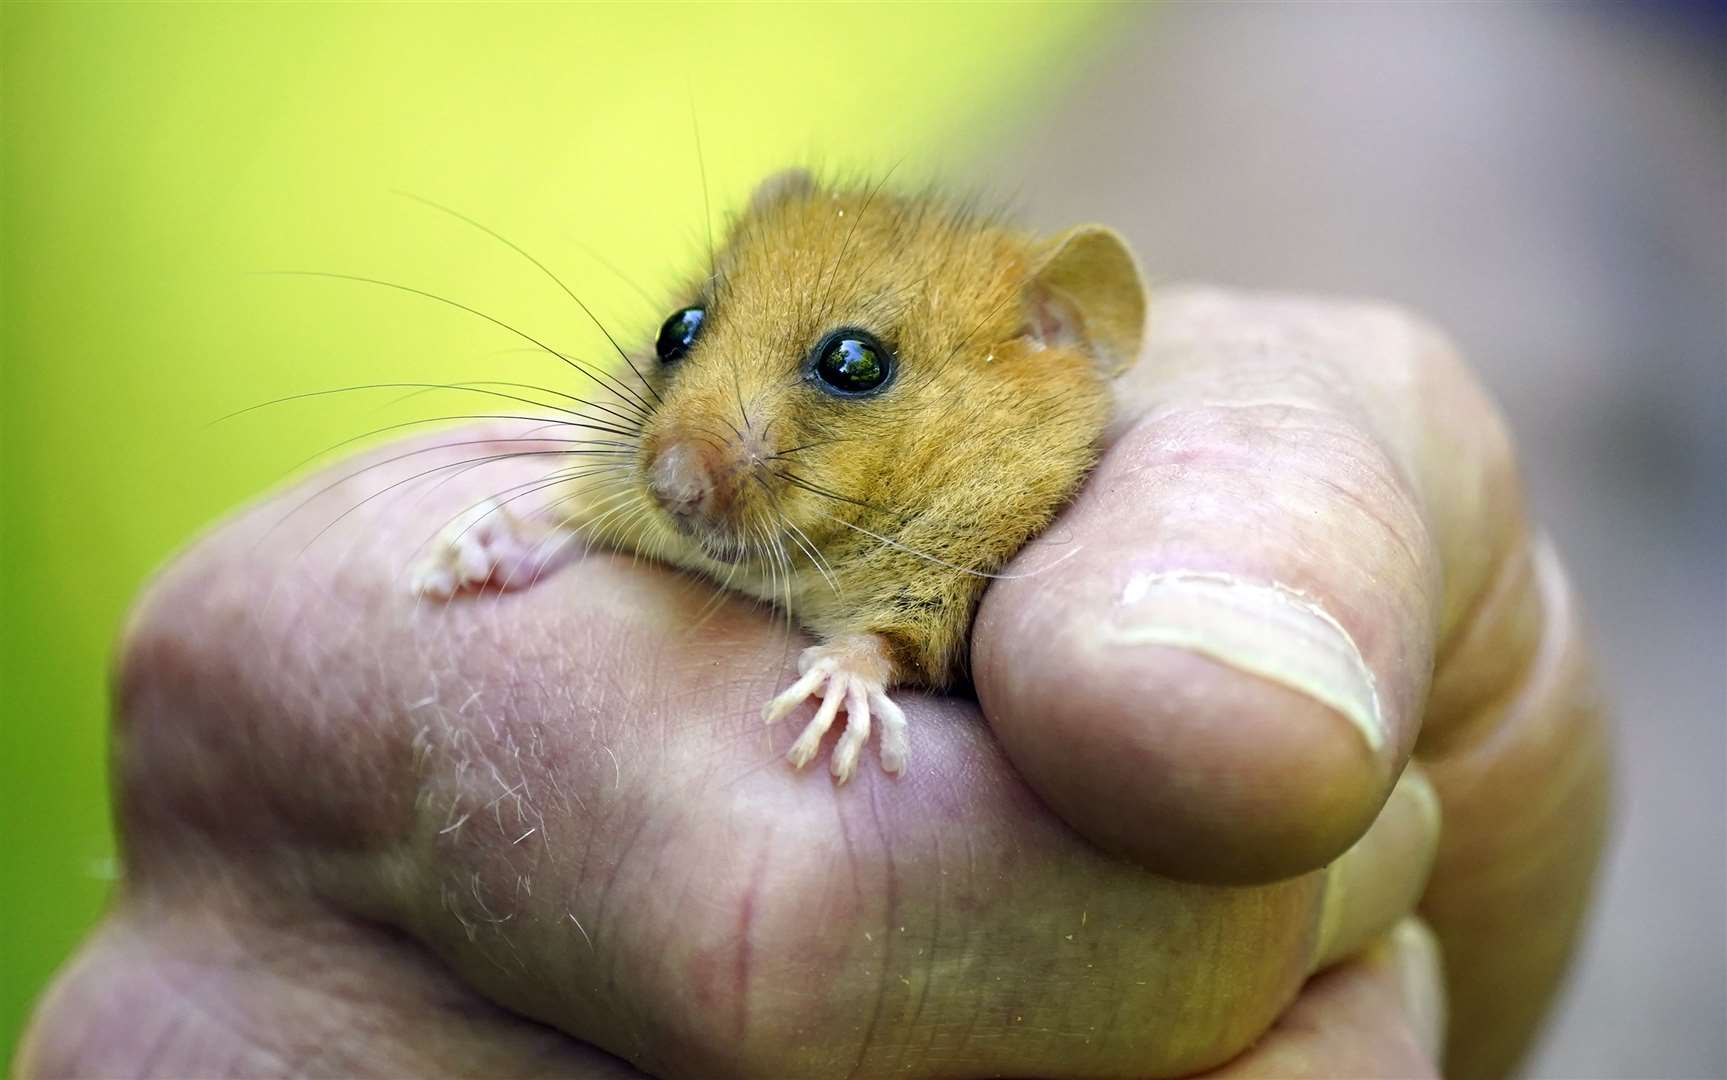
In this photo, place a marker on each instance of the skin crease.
(566, 796)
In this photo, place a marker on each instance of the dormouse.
(866, 405)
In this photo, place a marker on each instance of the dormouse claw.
(851, 673)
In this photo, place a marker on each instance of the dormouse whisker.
(968, 571)
(806, 446)
(624, 447)
(600, 375)
(424, 387)
(590, 469)
(480, 386)
(815, 489)
(518, 249)
(297, 507)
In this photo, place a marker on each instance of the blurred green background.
(156, 157)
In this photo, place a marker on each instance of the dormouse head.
(851, 355)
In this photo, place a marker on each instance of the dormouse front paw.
(487, 545)
(853, 673)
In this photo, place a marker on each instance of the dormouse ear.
(780, 186)
(1086, 292)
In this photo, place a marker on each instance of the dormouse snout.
(694, 480)
(704, 482)
(698, 479)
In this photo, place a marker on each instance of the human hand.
(564, 793)
(1301, 486)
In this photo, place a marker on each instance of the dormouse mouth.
(716, 546)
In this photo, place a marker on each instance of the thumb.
(1228, 676)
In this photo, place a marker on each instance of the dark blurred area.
(1549, 183)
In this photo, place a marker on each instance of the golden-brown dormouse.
(862, 410)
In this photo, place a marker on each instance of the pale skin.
(547, 834)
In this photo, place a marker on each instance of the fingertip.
(1193, 766)
(1421, 979)
(1379, 880)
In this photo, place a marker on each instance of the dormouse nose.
(688, 480)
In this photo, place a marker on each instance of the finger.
(1523, 774)
(1381, 1016)
(567, 795)
(1228, 676)
(1378, 881)
(173, 987)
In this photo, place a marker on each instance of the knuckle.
(215, 715)
(164, 648)
(172, 658)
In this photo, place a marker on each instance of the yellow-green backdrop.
(157, 156)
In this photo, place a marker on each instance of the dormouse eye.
(678, 333)
(852, 363)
